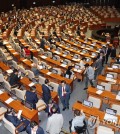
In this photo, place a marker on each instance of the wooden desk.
(31, 115)
(25, 81)
(106, 96)
(95, 112)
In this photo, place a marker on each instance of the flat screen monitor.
(88, 103)
(28, 105)
(76, 56)
(110, 76)
(88, 59)
(54, 58)
(77, 66)
(100, 87)
(111, 111)
(65, 62)
(54, 71)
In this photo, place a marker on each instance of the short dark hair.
(77, 112)
(46, 81)
(54, 109)
(33, 124)
(63, 81)
(86, 65)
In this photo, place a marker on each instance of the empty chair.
(30, 75)
(41, 80)
(7, 85)
(54, 85)
(44, 64)
(53, 46)
(106, 85)
(49, 54)
(41, 51)
(96, 101)
(22, 69)
(40, 105)
(14, 64)
(114, 75)
(20, 93)
(56, 71)
(104, 130)
(3, 110)
(35, 60)
(116, 107)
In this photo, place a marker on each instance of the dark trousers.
(65, 101)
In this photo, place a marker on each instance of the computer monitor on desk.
(77, 66)
(100, 87)
(28, 105)
(88, 103)
(110, 76)
(65, 62)
(111, 111)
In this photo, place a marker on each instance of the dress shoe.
(85, 88)
(64, 108)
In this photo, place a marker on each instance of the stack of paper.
(8, 101)
(117, 97)
(63, 65)
(48, 73)
(9, 71)
(99, 92)
(44, 57)
(31, 84)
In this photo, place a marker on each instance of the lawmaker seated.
(35, 70)
(27, 52)
(34, 128)
(16, 120)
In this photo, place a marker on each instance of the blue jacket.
(67, 89)
(39, 130)
(46, 93)
(32, 98)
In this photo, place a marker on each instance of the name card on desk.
(117, 97)
(64, 55)
(81, 53)
(44, 57)
(9, 71)
(15, 53)
(63, 65)
(99, 92)
(25, 60)
(49, 73)
(93, 56)
(1, 92)
(31, 84)
(110, 68)
(8, 101)
(57, 52)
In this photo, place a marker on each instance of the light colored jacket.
(54, 124)
(90, 72)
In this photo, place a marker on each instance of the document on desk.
(9, 71)
(111, 118)
(117, 97)
(25, 60)
(8, 101)
(19, 114)
(57, 52)
(44, 57)
(1, 92)
(31, 84)
(75, 59)
(110, 68)
(63, 65)
(49, 73)
(64, 55)
(99, 92)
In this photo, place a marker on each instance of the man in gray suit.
(64, 94)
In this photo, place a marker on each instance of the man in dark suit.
(42, 44)
(34, 128)
(31, 96)
(64, 94)
(12, 117)
(46, 91)
(108, 52)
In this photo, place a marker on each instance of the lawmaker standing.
(64, 94)
(46, 91)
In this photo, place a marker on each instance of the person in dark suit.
(46, 91)
(12, 117)
(102, 57)
(108, 52)
(113, 52)
(34, 128)
(69, 72)
(42, 44)
(31, 96)
(64, 94)
(50, 106)
(14, 78)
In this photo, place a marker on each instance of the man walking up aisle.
(89, 73)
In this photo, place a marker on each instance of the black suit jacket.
(108, 51)
(39, 130)
(46, 93)
(32, 98)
